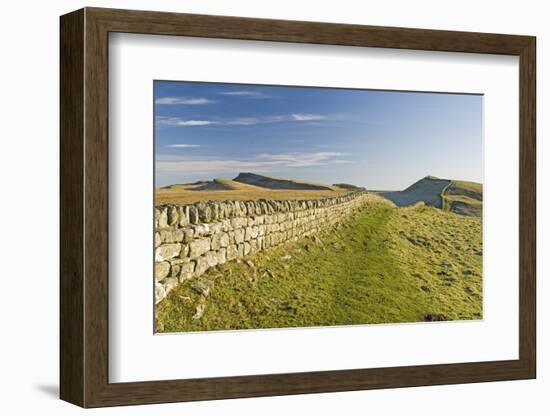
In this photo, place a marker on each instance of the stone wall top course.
(169, 215)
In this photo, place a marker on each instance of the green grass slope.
(460, 197)
(465, 198)
(382, 265)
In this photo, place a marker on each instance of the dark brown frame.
(84, 219)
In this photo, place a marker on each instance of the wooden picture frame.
(84, 207)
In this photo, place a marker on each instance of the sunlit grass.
(382, 265)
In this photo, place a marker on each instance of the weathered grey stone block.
(160, 293)
(215, 242)
(188, 235)
(219, 240)
(232, 252)
(162, 269)
(171, 235)
(221, 255)
(215, 228)
(201, 266)
(162, 218)
(199, 247)
(175, 270)
(242, 208)
(246, 250)
(224, 240)
(254, 246)
(261, 243)
(250, 208)
(184, 250)
(167, 251)
(239, 235)
(226, 225)
(261, 230)
(254, 232)
(205, 212)
(157, 213)
(183, 214)
(187, 270)
(201, 230)
(214, 210)
(173, 217)
(247, 233)
(211, 258)
(170, 284)
(179, 260)
(238, 222)
(264, 208)
(193, 214)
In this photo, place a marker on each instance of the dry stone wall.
(190, 239)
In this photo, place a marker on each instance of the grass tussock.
(382, 265)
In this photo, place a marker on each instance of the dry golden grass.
(183, 196)
(236, 191)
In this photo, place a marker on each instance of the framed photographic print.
(255, 207)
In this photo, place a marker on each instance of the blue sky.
(378, 139)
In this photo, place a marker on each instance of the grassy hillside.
(464, 198)
(383, 264)
(348, 186)
(427, 190)
(460, 197)
(186, 196)
(227, 189)
(278, 183)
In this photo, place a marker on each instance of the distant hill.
(461, 197)
(218, 184)
(349, 187)
(249, 187)
(221, 184)
(276, 183)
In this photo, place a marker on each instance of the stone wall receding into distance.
(189, 239)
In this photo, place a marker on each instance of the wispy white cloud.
(183, 145)
(294, 160)
(193, 123)
(307, 117)
(242, 93)
(247, 94)
(183, 101)
(240, 121)
(177, 121)
(264, 162)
